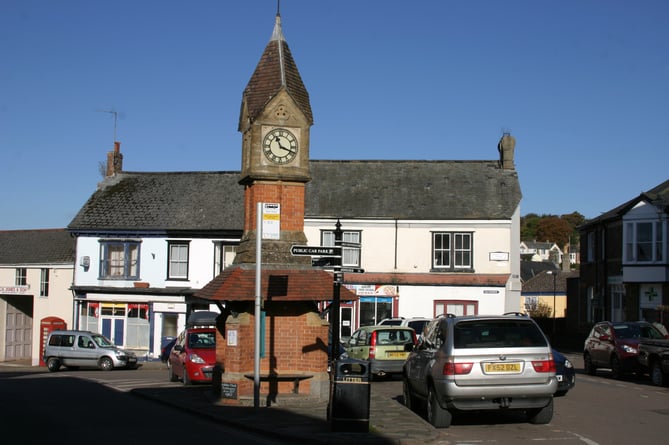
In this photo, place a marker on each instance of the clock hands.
(277, 139)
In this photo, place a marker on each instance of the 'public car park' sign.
(315, 251)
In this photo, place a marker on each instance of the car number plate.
(396, 354)
(501, 368)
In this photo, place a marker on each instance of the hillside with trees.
(552, 228)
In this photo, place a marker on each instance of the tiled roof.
(431, 279)
(424, 190)
(275, 71)
(237, 283)
(657, 196)
(543, 282)
(25, 247)
(214, 201)
(165, 202)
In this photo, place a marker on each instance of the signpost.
(297, 250)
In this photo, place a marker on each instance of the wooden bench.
(275, 377)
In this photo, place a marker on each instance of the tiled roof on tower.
(276, 70)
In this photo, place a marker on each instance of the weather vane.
(115, 114)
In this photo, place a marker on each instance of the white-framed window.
(350, 256)
(644, 242)
(44, 283)
(224, 255)
(21, 277)
(452, 251)
(177, 263)
(119, 259)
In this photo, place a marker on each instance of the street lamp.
(554, 273)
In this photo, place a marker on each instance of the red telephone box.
(48, 325)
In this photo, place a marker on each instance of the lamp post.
(554, 273)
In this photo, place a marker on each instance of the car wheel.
(590, 368)
(106, 364)
(406, 394)
(53, 364)
(436, 415)
(560, 393)
(656, 374)
(616, 367)
(170, 372)
(541, 416)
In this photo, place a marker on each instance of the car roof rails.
(517, 314)
(448, 315)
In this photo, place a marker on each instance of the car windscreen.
(636, 330)
(497, 334)
(202, 340)
(394, 337)
(102, 341)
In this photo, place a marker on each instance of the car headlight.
(567, 364)
(194, 358)
(629, 349)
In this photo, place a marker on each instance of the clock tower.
(275, 119)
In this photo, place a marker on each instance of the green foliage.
(558, 229)
(542, 310)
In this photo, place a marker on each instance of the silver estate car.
(74, 349)
(479, 363)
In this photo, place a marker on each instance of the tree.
(554, 229)
(541, 310)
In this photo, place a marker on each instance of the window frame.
(21, 276)
(350, 256)
(654, 243)
(451, 253)
(129, 264)
(179, 262)
(44, 282)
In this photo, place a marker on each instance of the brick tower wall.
(295, 343)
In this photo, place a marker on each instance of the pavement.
(301, 419)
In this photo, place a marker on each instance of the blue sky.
(583, 86)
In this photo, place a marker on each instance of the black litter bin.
(349, 396)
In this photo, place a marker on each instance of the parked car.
(74, 349)
(654, 359)
(193, 356)
(416, 323)
(615, 346)
(564, 372)
(385, 347)
(481, 363)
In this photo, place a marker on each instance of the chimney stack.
(506, 146)
(114, 161)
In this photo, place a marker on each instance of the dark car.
(615, 346)
(565, 374)
(166, 349)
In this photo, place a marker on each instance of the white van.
(73, 349)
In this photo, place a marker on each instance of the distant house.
(36, 272)
(625, 262)
(540, 251)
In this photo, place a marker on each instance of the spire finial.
(277, 34)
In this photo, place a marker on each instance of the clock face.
(280, 146)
